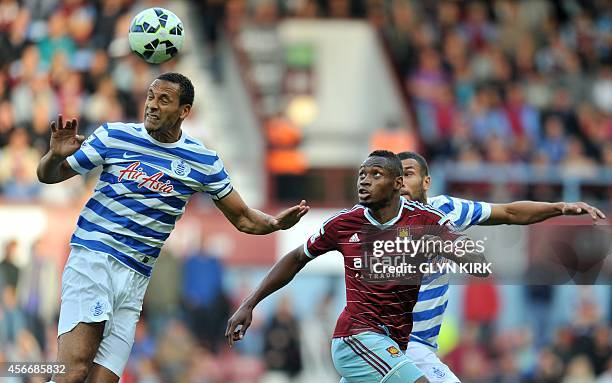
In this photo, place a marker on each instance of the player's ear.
(185, 111)
(426, 182)
(399, 182)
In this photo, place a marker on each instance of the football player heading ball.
(149, 172)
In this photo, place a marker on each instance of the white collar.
(389, 223)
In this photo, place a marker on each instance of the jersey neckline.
(392, 221)
(181, 140)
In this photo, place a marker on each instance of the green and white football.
(156, 35)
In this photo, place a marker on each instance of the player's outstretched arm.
(281, 273)
(528, 212)
(253, 221)
(53, 167)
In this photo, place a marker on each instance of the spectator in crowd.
(18, 162)
(163, 301)
(143, 351)
(549, 368)
(488, 117)
(554, 144)
(25, 348)
(204, 300)
(56, 40)
(39, 290)
(316, 346)
(282, 344)
(9, 272)
(175, 348)
(576, 163)
(538, 300)
(579, 369)
(12, 318)
(481, 306)
(469, 359)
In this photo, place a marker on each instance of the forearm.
(253, 221)
(524, 212)
(257, 222)
(279, 276)
(51, 169)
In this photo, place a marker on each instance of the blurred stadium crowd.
(509, 81)
(497, 82)
(502, 82)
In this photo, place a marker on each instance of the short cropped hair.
(418, 158)
(393, 163)
(186, 93)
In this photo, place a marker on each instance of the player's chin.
(365, 201)
(151, 126)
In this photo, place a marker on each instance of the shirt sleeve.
(463, 213)
(440, 224)
(92, 153)
(324, 240)
(217, 182)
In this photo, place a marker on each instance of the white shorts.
(427, 361)
(96, 288)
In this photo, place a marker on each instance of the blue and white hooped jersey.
(142, 191)
(428, 312)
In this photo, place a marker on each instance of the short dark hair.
(187, 92)
(393, 163)
(418, 158)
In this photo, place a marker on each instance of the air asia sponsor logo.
(136, 173)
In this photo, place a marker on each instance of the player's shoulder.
(463, 212)
(444, 203)
(354, 215)
(123, 126)
(424, 209)
(356, 212)
(439, 200)
(202, 158)
(125, 131)
(197, 146)
(115, 130)
(448, 203)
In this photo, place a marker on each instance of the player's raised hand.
(243, 318)
(580, 208)
(291, 216)
(64, 138)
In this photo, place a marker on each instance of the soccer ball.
(156, 35)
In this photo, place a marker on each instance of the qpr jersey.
(384, 307)
(142, 191)
(433, 294)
